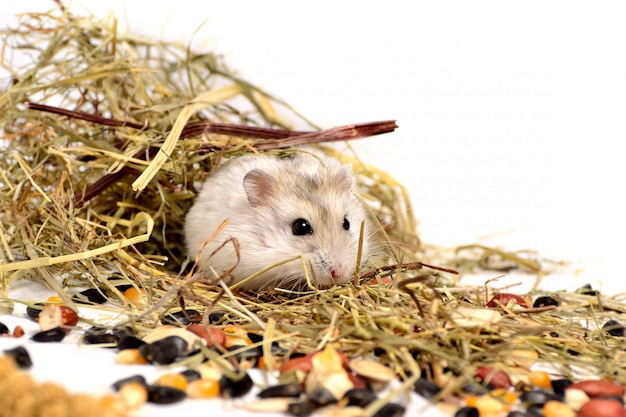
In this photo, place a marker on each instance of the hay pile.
(105, 137)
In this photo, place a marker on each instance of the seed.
(52, 335)
(18, 331)
(495, 379)
(575, 398)
(34, 310)
(55, 299)
(173, 380)
(503, 299)
(99, 336)
(390, 410)
(133, 394)
(614, 328)
(599, 388)
(216, 317)
(300, 363)
(538, 396)
(203, 388)
(474, 317)
(130, 357)
(182, 318)
(599, 407)
(282, 390)
(269, 405)
(134, 378)
(360, 397)
(191, 375)
(54, 315)
(212, 335)
(164, 351)
(487, 405)
(234, 388)
(112, 405)
(159, 394)
(560, 385)
(4, 329)
(426, 388)
(135, 296)
(467, 412)
(301, 408)
(545, 301)
(322, 397)
(20, 356)
(372, 370)
(129, 342)
(166, 331)
(540, 379)
(557, 409)
(91, 295)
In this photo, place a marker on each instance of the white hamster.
(279, 208)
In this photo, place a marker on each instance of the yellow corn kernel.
(203, 388)
(133, 394)
(558, 409)
(173, 380)
(130, 357)
(135, 296)
(540, 379)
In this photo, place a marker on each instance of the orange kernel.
(203, 388)
(540, 379)
(173, 380)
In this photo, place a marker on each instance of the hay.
(105, 137)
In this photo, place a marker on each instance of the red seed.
(599, 387)
(55, 315)
(599, 407)
(212, 335)
(497, 379)
(302, 363)
(504, 298)
(18, 331)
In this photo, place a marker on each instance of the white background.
(511, 114)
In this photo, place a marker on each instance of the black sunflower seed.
(159, 394)
(425, 388)
(4, 329)
(191, 375)
(183, 317)
(34, 310)
(99, 336)
(234, 388)
(360, 397)
(545, 301)
(133, 378)
(614, 328)
(466, 412)
(291, 390)
(53, 335)
(164, 351)
(129, 342)
(391, 410)
(20, 357)
(91, 295)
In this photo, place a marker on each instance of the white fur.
(309, 186)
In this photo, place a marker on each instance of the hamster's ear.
(344, 178)
(259, 187)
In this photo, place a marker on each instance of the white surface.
(511, 114)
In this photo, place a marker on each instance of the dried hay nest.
(105, 137)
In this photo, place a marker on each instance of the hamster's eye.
(346, 224)
(301, 227)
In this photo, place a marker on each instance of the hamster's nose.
(337, 272)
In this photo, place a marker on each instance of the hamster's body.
(279, 208)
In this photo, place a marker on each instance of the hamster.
(279, 208)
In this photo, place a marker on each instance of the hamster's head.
(308, 209)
